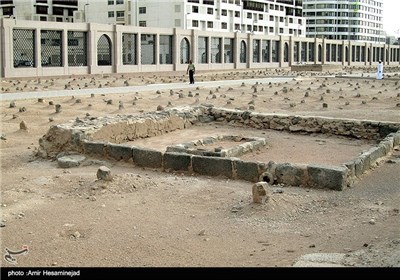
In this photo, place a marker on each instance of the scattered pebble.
(278, 190)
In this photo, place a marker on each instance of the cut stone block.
(70, 161)
(104, 173)
(330, 177)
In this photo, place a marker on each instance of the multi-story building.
(392, 40)
(269, 17)
(41, 10)
(355, 20)
(99, 11)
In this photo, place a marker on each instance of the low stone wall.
(315, 67)
(117, 129)
(344, 127)
(198, 147)
(102, 137)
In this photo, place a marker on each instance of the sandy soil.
(148, 218)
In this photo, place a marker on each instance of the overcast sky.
(391, 16)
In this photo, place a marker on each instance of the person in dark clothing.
(191, 70)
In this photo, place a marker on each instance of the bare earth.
(146, 217)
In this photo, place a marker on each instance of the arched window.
(202, 50)
(185, 51)
(319, 53)
(243, 52)
(104, 50)
(286, 53)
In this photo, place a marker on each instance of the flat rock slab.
(321, 260)
(70, 161)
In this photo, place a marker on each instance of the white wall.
(115, 32)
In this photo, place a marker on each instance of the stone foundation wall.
(198, 147)
(315, 67)
(102, 137)
(344, 127)
(116, 129)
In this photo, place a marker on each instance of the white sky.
(391, 17)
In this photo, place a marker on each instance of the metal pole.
(84, 10)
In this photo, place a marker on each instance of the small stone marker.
(22, 125)
(104, 173)
(260, 192)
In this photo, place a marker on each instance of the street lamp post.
(186, 25)
(84, 10)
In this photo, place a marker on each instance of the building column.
(343, 52)
(291, 51)
(209, 51)
(249, 51)
(194, 42)
(281, 51)
(366, 54)
(323, 51)
(176, 54)
(222, 50)
(139, 50)
(38, 51)
(7, 45)
(350, 53)
(157, 51)
(236, 51)
(384, 60)
(64, 51)
(91, 49)
(370, 53)
(270, 50)
(315, 51)
(117, 61)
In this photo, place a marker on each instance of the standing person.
(379, 74)
(191, 70)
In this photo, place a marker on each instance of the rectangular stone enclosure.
(104, 137)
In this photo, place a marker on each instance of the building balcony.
(6, 2)
(11, 5)
(65, 2)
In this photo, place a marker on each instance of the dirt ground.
(147, 218)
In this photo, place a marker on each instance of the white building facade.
(354, 20)
(98, 11)
(268, 17)
(42, 10)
